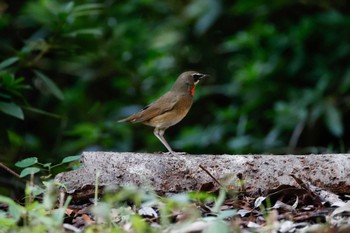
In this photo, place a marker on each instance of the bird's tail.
(123, 120)
(128, 119)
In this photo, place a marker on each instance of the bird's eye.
(197, 76)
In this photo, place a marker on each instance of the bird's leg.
(160, 135)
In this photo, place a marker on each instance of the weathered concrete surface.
(168, 173)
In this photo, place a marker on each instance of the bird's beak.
(197, 77)
(204, 76)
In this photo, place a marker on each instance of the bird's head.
(187, 81)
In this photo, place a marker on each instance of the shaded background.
(69, 70)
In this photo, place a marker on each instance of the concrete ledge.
(167, 173)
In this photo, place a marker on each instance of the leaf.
(295, 205)
(333, 120)
(14, 209)
(52, 87)
(180, 198)
(59, 214)
(28, 171)
(69, 7)
(102, 211)
(147, 211)
(138, 224)
(88, 6)
(205, 12)
(87, 31)
(8, 62)
(70, 159)
(216, 226)
(50, 196)
(37, 190)
(87, 9)
(12, 109)
(39, 111)
(7, 222)
(226, 214)
(5, 96)
(243, 212)
(219, 201)
(47, 164)
(259, 201)
(342, 209)
(27, 162)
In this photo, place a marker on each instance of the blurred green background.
(70, 69)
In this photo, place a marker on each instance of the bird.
(170, 108)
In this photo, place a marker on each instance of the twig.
(296, 135)
(206, 171)
(62, 196)
(316, 198)
(9, 170)
(96, 187)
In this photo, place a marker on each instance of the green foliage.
(10, 89)
(27, 162)
(46, 168)
(51, 86)
(29, 171)
(36, 216)
(8, 62)
(12, 109)
(114, 210)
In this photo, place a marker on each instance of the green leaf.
(138, 224)
(70, 158)
(333, 120)
(69, 7)
(27, 162)
(12, 109)
(87, 9)
(219, 201)
(15, 210)
(52, 87)
(47, 164)
(87, 31)
(7, 222)
(12, 85)
(39, 111)
(7, 200)
(58, 215)
(180, 198)
(226, 214)
(217, 226)
(101, 211)
(8, 62)
(88, 6)
(5, 96)
(37, 190)
(28, 171)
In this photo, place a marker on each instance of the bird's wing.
(160, 106)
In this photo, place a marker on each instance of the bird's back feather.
(160, 106)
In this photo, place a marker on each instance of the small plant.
(39, 212)
(39, 215)
(11, 89)
(134, 209)
(32, 165)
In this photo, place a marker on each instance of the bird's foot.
(181, 153)
(175, 153)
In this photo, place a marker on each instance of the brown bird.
(170, 108)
